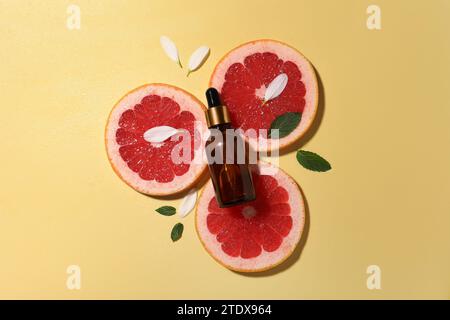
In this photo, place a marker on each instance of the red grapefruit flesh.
(148, 167)
(257, 235)
(242, 77)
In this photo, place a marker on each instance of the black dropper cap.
(213, 98)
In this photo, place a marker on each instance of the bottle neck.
(217, 115)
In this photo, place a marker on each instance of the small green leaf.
(286, 123)
(166, 210)
(312, 161)
(177, 232)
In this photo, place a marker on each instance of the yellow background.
(384, 127)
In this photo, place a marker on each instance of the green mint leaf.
(312, 161)
(166, 210)
(177, 232)
(286, 123)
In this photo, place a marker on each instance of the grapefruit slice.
(257, 235)
(148, 167)
(242, 77)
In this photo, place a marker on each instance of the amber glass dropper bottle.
(232, 179)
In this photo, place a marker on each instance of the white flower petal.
(197, 58)
(276, 87)
(170, 49)
(188, 203)
(159, 134)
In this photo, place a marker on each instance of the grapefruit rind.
(266, 260)
(286, 53)
(187, 102)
